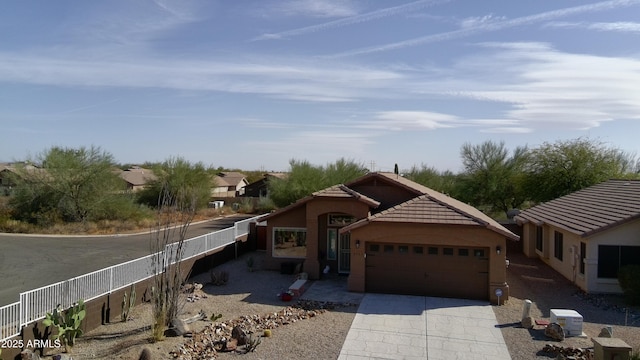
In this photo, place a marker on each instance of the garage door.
(459, 272)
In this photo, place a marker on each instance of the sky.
(254, 84)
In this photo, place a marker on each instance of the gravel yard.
(321, 337)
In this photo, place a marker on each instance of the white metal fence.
(35, 304)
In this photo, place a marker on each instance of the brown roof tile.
(589, 210)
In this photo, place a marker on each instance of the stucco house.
(228, 184)
(260, 188)
(587, 235)
(137, 178)
(392, 235)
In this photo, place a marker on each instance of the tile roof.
(590, 210)
(434, 208)
(336, 191)
(137, 176)
(229, 178)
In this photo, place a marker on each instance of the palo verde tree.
(560, 168)
(492, 177)
(73, 185)
(176, 174)
(303, 179)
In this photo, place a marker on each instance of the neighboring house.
(136, 178)
(260, 188)
(587, 235)
(392, 235)
(228, 184)
(10, 171)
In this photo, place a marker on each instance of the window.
(463, 252)
(290, 242)
(374, 247)
(432, 250)
(557, 245)
(332, 244)
(478, 253)
(388, 248)
(447, 251)
(340, 220)
(418, 250)
(539, 237)
(403, 249)
(612, 257)
(583, 255)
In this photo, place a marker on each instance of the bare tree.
(175, 212)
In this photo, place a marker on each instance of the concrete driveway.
(417, 327)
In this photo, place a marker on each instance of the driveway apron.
(418, 327)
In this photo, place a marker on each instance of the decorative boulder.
(239, 334)
(179, 328)
(29, 355)
(527, 322)
(606, 332)
(554, 331)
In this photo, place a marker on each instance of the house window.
(290, 242)
(557, 245)
(612, 257)
(418, 250)
(374, 247)
(432, 250)
(388, 248)
(539, 236)
(463, 252)
(478, 253)
(332, 244)
(447, 251)
(403, 249)
(583, 256)
(340, 220)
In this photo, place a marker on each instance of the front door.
(344, 256)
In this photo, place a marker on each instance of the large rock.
(239, 334)
(527, 322)
(29, 355)
(606, 332)
(179, 327)
(554, 331)
(145, 354)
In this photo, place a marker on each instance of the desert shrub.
(246, 206)
(265, 205)
(629, 279)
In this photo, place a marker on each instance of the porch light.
(357, 244)
(498, 249)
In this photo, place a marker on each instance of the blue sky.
(253, 84)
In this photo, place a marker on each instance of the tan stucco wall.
(625, 234)
(426, 234)
(309, 216)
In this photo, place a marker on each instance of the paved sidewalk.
(416, 327)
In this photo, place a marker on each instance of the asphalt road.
(28, 262)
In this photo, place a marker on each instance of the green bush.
(629, 279)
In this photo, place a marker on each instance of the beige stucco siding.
(627, 234)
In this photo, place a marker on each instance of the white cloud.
(312, 8)
(622, 26)
(278, 77)
(477, 21)
(352, 19)
(543, 87)
(489, 26)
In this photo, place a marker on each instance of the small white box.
(570, 320)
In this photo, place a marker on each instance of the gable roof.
(434, 208)
(337, 191)
(137, 176)
(229, 178)
(590, 210)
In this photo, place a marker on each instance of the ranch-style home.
(587, 235)
(392, 235)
